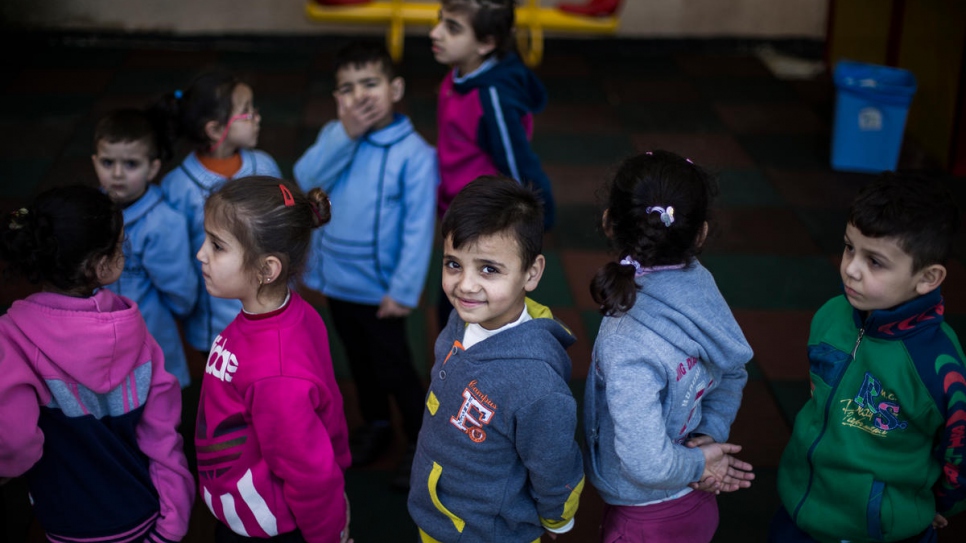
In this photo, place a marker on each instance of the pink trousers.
(692, 518)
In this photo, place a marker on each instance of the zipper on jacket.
(828, 403)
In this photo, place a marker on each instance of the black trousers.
(223, 534)
(381, 364)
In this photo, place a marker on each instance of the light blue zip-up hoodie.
(157, 276)
(671, 367)
(186, 188)
(382, 186)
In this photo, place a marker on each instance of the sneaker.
(370, 442)
(400, 479)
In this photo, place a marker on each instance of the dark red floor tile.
(633, 91)
(699, 65)
(781, 118)
(318, 110)
(583, 118)
(778, 339)
(713, 151)
(38, 139)
(170, 58)
(954, 288)
(758, 230)
(580, 351)
(60, 81)
(822, 189)
(67, 171)
(280, 141)
(759, 427)
(554, 65)
(277, 83)
(578, 184)
(580, 268)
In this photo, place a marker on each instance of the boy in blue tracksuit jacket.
(371, 260)
(156, 251)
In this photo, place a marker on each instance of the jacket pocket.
(873, 510)
(827, 362)
(434, 476)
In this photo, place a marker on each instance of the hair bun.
(321, 207)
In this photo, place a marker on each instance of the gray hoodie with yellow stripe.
(496, 458)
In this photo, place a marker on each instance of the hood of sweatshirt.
(685, 307)
(515, 82)
(542, 340)
(95, 340)
(397, 130)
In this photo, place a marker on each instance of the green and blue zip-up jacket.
(878, 449)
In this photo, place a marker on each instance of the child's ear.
(534, 273)
(155, 168)
(702, 235)
(930, 278)
(398, 88)
(271, 269)
(485, 46)
(213, 130)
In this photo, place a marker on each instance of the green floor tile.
(578, 227)
(791, 396)
(37, 107)
(773, 282)
(788, 151)
(553, 289)
(591, 320)
(378, 513)
(286, 111)
(744, 89)
(570, 90)
(670, 117)
(578, 149)
(151, 81)
(20, 178)
(746, 188)
(826, 227)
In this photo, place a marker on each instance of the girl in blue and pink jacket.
(87, 412)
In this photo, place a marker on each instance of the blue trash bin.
(871, 105)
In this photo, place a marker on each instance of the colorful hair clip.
(178, 94)
(667, 214)
(638, 270)
(15, 217)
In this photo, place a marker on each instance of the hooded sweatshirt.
(671, 367)
(88, 412)
(382, 186)
(496, 458)
(186, 188)
(485, 122)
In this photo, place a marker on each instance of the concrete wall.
(640, 18)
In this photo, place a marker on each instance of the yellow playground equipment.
(531, 20)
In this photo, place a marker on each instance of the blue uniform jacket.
(383, 192)
(186, 188)
(157, 274)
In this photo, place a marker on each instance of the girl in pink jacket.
(87, 412)
(271, 434)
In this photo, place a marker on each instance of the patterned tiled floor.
(780, 218)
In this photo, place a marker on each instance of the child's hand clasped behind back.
(722, 471)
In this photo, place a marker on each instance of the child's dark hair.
(269, 217)
(60, 237)
(491, 205)
(490, 18)
(129, 125)
(648, 235)
(357, 54)
(918, 212)
(208, 98)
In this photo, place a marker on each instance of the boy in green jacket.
(876, 453)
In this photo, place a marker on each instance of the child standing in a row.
(371, 260)
(272, 440)
(217, 115)
(87, 410)
(668, 365)
(158, 274)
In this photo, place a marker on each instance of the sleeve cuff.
(560, 530)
